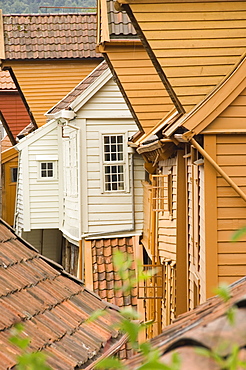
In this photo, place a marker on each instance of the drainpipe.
(218, 169)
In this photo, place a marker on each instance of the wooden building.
(195, 198)
(83, 192)
(14, 118)
(47, 55)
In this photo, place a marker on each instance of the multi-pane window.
(47, 170)
(113, 162)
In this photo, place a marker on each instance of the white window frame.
(46, 159)
(123, 162)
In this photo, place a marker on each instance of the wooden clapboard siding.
(196, 42)
(14, 111)
(141, 83)
(231, 119)
(196, 233)
(146, 216)
(45, 83)
(231, 152)
(107, 113)
(166, 221)
(41, 192)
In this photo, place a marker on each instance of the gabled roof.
(207, 327)
(214, 103)
(84, 90)
(53, 307)
(50, 36)
(6, 82)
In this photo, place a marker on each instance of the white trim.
(85, 95)
(91, 90)
(26, 195)
(72, 239)
(37, 134)
(60, 169)
(84, 170)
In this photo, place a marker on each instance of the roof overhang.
(70, 112)
(214, 104)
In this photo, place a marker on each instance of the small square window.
(13, 174)
(47, 170)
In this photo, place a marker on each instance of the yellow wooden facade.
(9, 168)
(45, 83)
(199, 46)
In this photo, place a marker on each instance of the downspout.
(132, 228)
(218, 169)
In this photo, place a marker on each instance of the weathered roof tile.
(46, 36)
(53, 307)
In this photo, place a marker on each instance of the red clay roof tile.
(53, 307)
(105, 277)
(46, 36)
(206, 326)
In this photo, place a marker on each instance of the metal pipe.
(218, 169)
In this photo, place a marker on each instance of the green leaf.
(95, 315)
(238, 234)
(132, 329)
(223, 291)
(130, 313)
(231, 315)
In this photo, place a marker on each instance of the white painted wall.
(107, 113)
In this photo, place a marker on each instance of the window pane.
(50, 166)
(120, 139)
(43, 166)
(113, 139)
(13, 174)
(106, 139)
(50, 173)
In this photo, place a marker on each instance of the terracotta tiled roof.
(53, 307)
(105, 276)
(119, 23)
(79, 89)
(45, 36)
(6, 82)
(207, 327)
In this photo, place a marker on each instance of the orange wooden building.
(15, 118)
(47, 55)
(195, 150)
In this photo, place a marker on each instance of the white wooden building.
(78, 179)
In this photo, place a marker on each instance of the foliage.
(32, 6)
(232, 361)
(131, 325)
(27, 360)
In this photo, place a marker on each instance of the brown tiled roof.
(6, 82)
(79, 89)
(119, 23)
(52, 306)
(105, 276)
(46, 36)
(207, 327)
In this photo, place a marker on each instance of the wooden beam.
(181, 251)
(88, 265)
(210, 196)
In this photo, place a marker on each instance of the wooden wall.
(14, 111)
(196, 42)
(44, 83)
(167, 221)
(141, 83)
